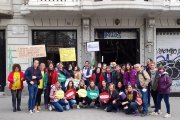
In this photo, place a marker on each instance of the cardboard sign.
(70, 93)
(67, 54)
(61, 78)
(93, 94)
(75, 81)
(104, 97)
(93, 46)
(34, 51)
(82, 92)
(60, 94)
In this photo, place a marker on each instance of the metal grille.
(2, 61)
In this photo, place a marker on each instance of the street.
(6, 112)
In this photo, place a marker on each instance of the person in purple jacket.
(164, 83)
(129, 75)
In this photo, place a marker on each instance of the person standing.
(70, 72)
(77, 73)
(32, 76)
(40, 87)
(129, 75)
(16, 78)
(164, 83)
(50, 78)
(62, 71)
(118, 76)
(107, 75)
(86, 73)
(104, 67)
(142, 81)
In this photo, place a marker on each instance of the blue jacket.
(64, 72)
(30, 72)
(88, 72)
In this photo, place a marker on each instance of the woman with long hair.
(71, 86)
(97, 77)
(133, 100)
(118, 76)
(77, 73)
(16, 78)
(164, 83)
(56, 102)
(70, 72)
(104, 67)
(129, 75)
(78, 97)
(107, 74)
(113, 102)
(50, 78)
(92, 87)
(40, 87)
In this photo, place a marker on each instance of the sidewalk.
(6, 112)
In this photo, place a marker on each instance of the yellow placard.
(59, 94)
(67, 54)
(82, 92)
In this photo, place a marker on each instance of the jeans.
(63, 85)
(154, 95)
(87, 82)
(38, 97)
(166, 100)
(113, 106)
(16, 96)
(132, 107)
(145, 101)
(32, 95)
(58, 105)
(47, 92)
(72, 102)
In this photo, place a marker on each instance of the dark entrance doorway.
(55, 39)
(121, 46)
(2, 61)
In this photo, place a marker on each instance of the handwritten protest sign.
(34, 51)
(67, 54)
(75, 81)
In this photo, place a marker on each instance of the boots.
(39, 108)
(35, 108)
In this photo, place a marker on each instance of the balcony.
(82, 5)
(6, 9)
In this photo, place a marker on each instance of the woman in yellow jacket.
(77, 73)
(40, 87)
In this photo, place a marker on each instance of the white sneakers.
(78, 107)
(105, 109)
(167, 116)
(50, 107)
(154, 113)
(159, 112)
(30, 112)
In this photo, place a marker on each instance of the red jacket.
(10, 79)
(100, 79)
(54, 78)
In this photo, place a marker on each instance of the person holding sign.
(32, 76)
(77, 73)
(62, 71)
(70, 86)
(113, 102)
(92, 87)
(70, 72)
(58, 100)
(78, 97)
(50, 78)
(97, 77)
(16, 78)
(133, 100)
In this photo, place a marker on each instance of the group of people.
(129, 86)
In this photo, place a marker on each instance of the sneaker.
(34, 111)
(30, 112)
(139, 109)
(50, 107)
(46, 106)
(144, 115)
(126, 107)
(95, 106)
(167, 116)
(105, 109)
(71, 106)
(88, 106)
(84, 106)
(78, 107)
(159, 112)
(136, 113)
(117, 110)
(154, 113)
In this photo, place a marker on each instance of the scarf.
(108, 76)
(153, 74)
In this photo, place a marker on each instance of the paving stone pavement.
(91, 113)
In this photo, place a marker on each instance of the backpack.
(166, 82)
(138, 92)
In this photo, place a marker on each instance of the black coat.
(114, 96)
(117, 77)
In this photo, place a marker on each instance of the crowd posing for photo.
(130, 87)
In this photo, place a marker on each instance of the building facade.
(127, 31)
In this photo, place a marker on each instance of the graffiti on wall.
(170, 59)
